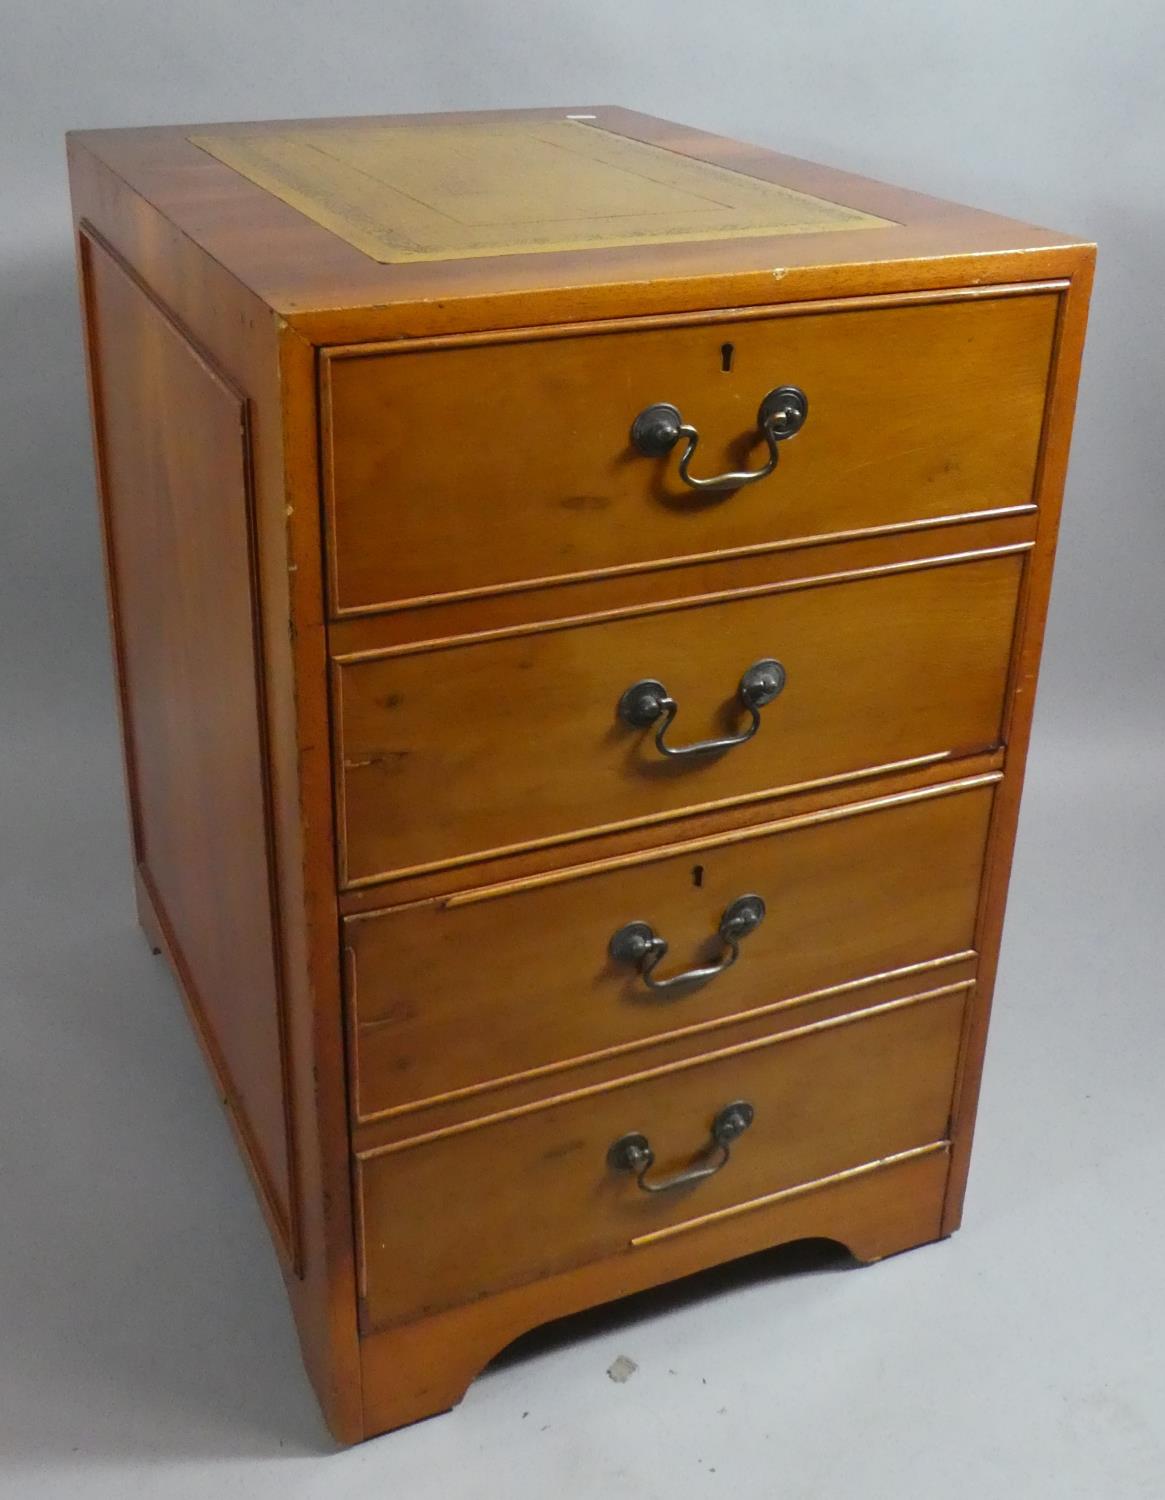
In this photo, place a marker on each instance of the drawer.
(849, 894)
(503, 743)
(522, 447)
(508, 1201)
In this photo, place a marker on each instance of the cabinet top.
(617, 211)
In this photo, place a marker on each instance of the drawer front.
(522, 448)
(509, 1201)
(848, 895)
(498, 744)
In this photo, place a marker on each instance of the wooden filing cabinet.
(577, 587)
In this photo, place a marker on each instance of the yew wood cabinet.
(577, 587)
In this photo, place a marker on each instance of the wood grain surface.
(271, 375)
(454, 753)
(529, 1197)
(523, 446)
(175, 468)
(332, 293)
(846, 898)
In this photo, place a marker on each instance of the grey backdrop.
(141, 1321)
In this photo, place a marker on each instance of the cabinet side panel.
(175, 472)
(244, 340)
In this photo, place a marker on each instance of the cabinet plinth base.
(422, 1369)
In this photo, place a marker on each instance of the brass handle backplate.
(638, 943)
(633, 1153)
(648, 702)
(658, 428)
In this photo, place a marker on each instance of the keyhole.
(697, 876)
(726, 353)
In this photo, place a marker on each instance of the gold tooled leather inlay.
(454, 191)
